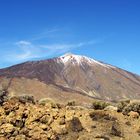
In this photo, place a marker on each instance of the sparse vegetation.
(71, 103)
(122, 104)
(26, 98)
(3, 96)
(44, 101)
(99, 105)
(126, 106)
(131, 107)
(50, 101)
(32, 120)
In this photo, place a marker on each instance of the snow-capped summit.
(79, 59)
(69, 57)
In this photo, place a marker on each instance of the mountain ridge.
(79, 74)
(51, 58)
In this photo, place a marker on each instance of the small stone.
(116, 131)
(102, 137)
(133, 114)
(74, 125)
(111, 108)
(7, 128)
(20, 137)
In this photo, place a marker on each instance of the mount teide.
(71, 77)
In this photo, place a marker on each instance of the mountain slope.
(80, 75)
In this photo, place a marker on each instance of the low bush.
(126, 106)
(71, 103)
(131, 107)
(122, 104)
(3, 96)
(26, 98)
(99, 105)
(45, 101)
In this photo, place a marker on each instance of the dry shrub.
(99, 105)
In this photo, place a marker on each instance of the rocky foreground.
(46, 120)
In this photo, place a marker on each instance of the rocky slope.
(23, 119)
(71, 76)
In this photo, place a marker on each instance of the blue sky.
(106, 30)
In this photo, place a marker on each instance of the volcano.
(71, 77)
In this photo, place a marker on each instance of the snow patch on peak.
(69, 57)
(78, 59)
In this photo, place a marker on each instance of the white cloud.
(23, 43)
(27, 50)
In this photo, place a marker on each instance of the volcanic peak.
(79, 59)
